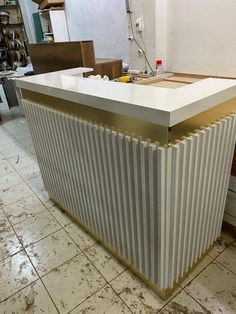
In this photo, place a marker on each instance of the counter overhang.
(157, 105)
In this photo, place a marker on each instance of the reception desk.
(144, 169)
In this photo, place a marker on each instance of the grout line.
(4, 300)
(108, 282)
(22, 250)
(225, 267)
(26, 218)
(33, 243)
(207, 311)
(34, 268)
(42, 281)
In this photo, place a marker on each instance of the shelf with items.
(51, 26)
(8, 6)
(13, 41)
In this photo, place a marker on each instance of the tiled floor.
(48, 264)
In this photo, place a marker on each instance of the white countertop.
(158, 105)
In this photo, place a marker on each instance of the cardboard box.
(48, 3)
(37, 1)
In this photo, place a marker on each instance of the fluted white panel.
(159, 207)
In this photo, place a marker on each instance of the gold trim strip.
(164, 294)
(135, 127)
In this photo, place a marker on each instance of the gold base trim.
(164, 294)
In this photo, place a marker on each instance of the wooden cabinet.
(50, 57)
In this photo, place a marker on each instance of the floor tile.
(16, 272)
(22, 161)
(36, 228)
(7, 139)
(5, 168)
(23, 135)
(106, 264)
(32, 299)
(138, 297)
(81, 238)
(183, 304)
(16, 130)
(73, 282)
(61, 216)
(28, 173)
(26, 141)
(221, 244)
(36, 184)
(215, 289)
(8, 180)
(9, 243)
(15, 151)
(52, 251)
(4, 223)
(31, 149)
(228, 257)
(4, 149)
(23, 209)
(104, 301)
(15, 193)
(203, 264)
(2, 158)
(44, 197)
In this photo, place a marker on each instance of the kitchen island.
(144, 169)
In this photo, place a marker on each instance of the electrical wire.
(141, 36)
(137, 43)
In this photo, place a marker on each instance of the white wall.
(103, 21)
(106, 22)
(201, 37)
(147, 10)
(161, 30)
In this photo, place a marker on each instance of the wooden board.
(50, 57)
(48, 3)
(182, 79)
(168, 84)
(111, 67)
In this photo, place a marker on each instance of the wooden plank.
(168, 84)
(111, 67)
(183, 79)
(48, 3)
(50, 57)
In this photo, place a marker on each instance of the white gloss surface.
(153, 104)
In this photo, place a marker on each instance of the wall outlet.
(140, 24)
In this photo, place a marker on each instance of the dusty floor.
(49, 265)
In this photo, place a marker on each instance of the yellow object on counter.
(124, 79)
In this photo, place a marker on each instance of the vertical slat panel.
(168, 223)
(160, 207)
(191, 155)
(221, 170)
(174, 211)
(181, 203)
(228, 164)
(194, 192)
(161, 215)
(210, 186)
(212, 209)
